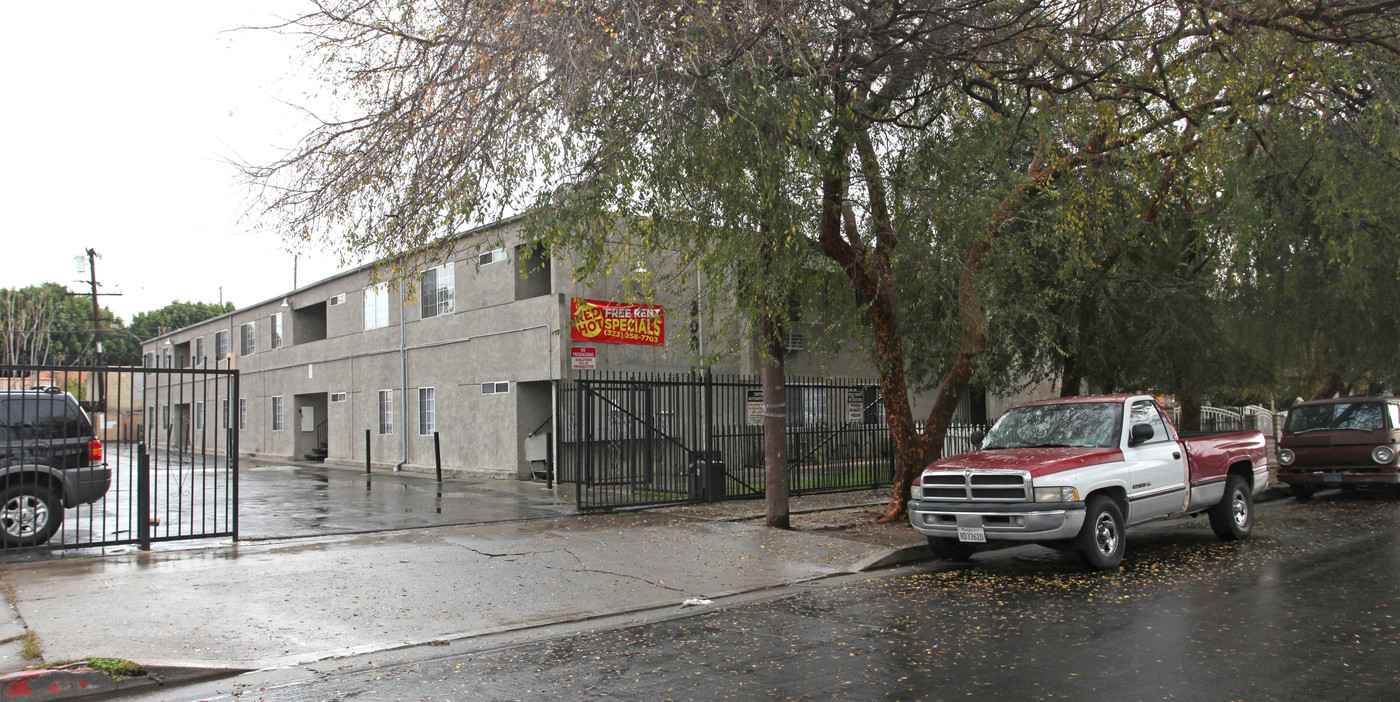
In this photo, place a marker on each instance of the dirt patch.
(855, 524)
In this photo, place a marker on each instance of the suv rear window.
(41, 416)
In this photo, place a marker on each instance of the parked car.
(1345, 442)
(50, 460)
(1074, 473)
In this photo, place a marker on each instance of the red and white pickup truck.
(1074, 473)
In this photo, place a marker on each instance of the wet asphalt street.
(1308, 609)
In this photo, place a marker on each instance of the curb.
(78, 681)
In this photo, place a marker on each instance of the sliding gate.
(168, 436)
(628, 440)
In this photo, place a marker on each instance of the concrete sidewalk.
(186, 614)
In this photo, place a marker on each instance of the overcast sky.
(119, 118)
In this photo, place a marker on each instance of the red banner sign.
(617, 322)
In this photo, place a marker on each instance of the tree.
(176, 315)
(48, 324)
(667, 116)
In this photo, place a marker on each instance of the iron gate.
(629, 439)
(168, 436)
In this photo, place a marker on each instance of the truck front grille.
(990, 486)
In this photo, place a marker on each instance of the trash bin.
(707, 476)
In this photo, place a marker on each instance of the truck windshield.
(1079, 425)
(1369, 416)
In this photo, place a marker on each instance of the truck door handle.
(1176, 455)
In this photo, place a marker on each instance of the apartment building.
(470, 349)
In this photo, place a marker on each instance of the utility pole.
(100, 383)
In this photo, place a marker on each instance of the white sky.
(117, 121)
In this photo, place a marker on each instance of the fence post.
(437, 455)
(143, 497)
(366, 452)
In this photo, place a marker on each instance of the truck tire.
(1101, 540)
(29, 515)
(1233, 518)
(951, 549)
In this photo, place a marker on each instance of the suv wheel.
(29, 515)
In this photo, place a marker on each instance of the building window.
(199, 351)
(247, 336)
(339, 397)
(242, 413)
(221, 347)
(337, 300)
(165, 416)
(277, 413)
(493, 256)
(199, 416)
(386, 411)
(427, 412)
(228, 420)
(497, 388)
(439, 291)
(377, 306)
(276, 331)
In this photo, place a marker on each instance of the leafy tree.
(176, 315)
(48, 324)
(747, 135)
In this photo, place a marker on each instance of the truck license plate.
(974, 535)
(1331, 478)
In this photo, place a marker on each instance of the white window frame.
(247, 338)
(439, 296)
(242, 413)
(340, 396)
(228, 416)
(276, 329)
(497, 387)
(493, 256)
(427, 411)
(221, 345)
(277, 418)
(377, 306)
(336, 300)
(198, 359)
(386, 412)
(199, 416)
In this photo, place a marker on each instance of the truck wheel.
(29, 515)
(1301, 492)
(1101, 540)
(951, 549)
(1233, 518)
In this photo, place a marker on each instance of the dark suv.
(50, 459)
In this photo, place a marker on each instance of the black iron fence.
(161, 455)
(629, 439)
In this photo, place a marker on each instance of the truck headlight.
(1383, 455)
(1056, 494)
(1285, 457)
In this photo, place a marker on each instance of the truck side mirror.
(1140, 433)
(976, 438)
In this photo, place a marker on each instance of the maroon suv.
(1342, 442)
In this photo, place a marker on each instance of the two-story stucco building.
(470, 349)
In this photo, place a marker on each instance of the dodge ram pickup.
(1074, 473)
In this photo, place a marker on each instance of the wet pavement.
(332, 563)
(1302, 611)
(279, 501)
